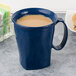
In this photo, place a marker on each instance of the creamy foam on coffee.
(34, 20)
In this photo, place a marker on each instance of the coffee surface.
(34, 20)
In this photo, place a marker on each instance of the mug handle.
(62, 44)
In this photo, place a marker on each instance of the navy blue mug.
(35, 43)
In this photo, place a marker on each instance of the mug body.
(34, 43)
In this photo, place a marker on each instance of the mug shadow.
(45, 71)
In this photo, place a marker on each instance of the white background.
(54, 5)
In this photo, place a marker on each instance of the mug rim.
(33, 27)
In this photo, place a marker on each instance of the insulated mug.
(35, 43)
